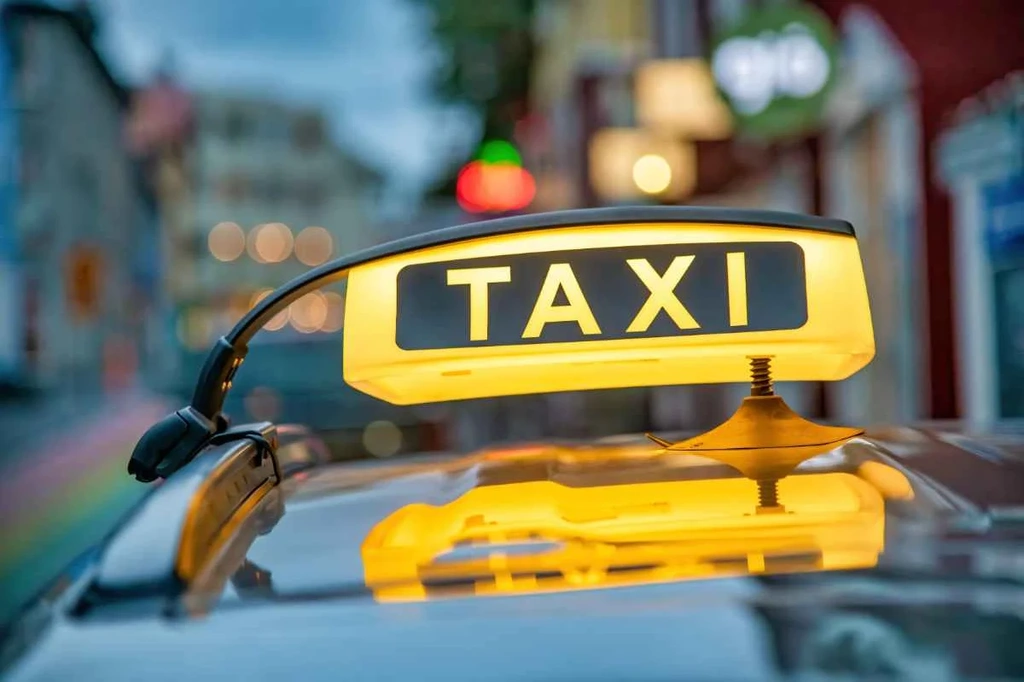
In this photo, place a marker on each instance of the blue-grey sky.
(365, 61)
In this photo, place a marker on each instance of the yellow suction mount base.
(764, 439)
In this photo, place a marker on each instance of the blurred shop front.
(835, 107)
(905, 67)
(829, 107)
(871, 175)
(844, 143)
(980, 159)
(74, 311)
(774, 106)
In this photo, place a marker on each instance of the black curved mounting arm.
(177, 438)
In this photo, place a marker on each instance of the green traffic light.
(499, 151)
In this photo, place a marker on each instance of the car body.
(767, 548)
(289, 599)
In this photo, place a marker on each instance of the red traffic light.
(494, 187)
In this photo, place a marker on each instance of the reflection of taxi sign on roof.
(539, 535)
(667, 297)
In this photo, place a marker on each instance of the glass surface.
(1009, 304)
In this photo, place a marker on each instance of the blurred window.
(85, 182)
(273, 190)
(232, 188)
(237, 125)
(616, 101)
(1009, 294)
(193, 245)
(308, 132)
(31, 168)
(36, 63)
(83, 280)
(276, 128)
(311, 195)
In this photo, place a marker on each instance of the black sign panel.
(614, 286)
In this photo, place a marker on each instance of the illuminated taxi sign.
(607, 306)
(604, 293)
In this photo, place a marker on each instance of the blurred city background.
(163, 165)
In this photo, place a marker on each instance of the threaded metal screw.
(761, 385)
(768, 493)
(761, 377)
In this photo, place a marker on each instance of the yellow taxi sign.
(669, 297)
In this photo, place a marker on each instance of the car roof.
(291, 597)
(321, 516)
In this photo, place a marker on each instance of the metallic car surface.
(287, 599)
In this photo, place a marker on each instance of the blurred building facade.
(270, 196)
(87, 236)
(932, 56)
(865, 155)
(253, 192)
(980, 159)
(12, 341)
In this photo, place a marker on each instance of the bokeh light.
(619, 172)
(382, 438)
(494, 187)
(678, 96)
(258, 296)
(652, 174)
(226, 241)
(277, 321)
(250, 244)
(238, 305)
(270, 243)
(313, 246)
(499, 151)
(309, 313)
(335, 319)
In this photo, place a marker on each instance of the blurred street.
(62, 487)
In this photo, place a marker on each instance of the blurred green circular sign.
(775, 68)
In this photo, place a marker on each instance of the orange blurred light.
(335, 312)
(468, 187)
(277, 321)
(494, 187)
(270, 243)
(258, 296)
(678, 97)
(652, 174)
(627, 163)
(226, 241)
(250, 244)
(382, 438)
(309, 313)
(313, 246)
